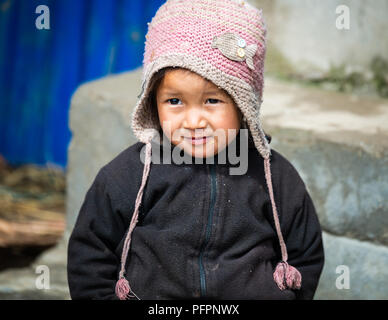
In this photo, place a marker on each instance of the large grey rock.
(363, 263)
(349, 186)
(100, 117)
(26, 283)
(339, 147)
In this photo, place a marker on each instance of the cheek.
(169, 123)
(228, 124)
(163, 115)
(160, 111)
(227, 118)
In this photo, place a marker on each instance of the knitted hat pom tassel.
(122, 289)
(285, 275)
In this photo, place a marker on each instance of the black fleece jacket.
(202, 233)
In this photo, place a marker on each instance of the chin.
(199, 151)
(202, 153)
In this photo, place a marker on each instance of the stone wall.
(339, 145)
(100, 124)
(303, 38)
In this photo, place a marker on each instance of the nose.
(194, 118)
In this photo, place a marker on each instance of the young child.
(154, 230)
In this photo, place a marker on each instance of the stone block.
(363, 263)
(339, 145)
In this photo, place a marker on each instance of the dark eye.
(173, 100)
(213, 101)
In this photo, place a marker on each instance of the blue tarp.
(40, 69)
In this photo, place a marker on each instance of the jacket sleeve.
(92, 262)
(305, 247)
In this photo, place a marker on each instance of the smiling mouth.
(197, 141)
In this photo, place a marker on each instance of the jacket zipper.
(208, 229)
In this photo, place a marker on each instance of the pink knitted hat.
(222, 41)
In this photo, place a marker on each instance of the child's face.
(195, 107)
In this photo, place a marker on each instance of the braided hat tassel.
(123, 289)
(285, 275)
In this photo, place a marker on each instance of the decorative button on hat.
(241, 52)
(241, 43)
